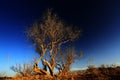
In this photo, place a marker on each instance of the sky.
(99, 21)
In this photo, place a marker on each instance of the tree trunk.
(49, 66)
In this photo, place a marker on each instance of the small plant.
(23, 69)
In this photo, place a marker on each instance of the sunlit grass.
(104, 72)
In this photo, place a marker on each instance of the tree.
(65, 59)
(48, 36)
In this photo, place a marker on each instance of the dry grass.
(92, 73)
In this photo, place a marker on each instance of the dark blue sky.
(99, 21)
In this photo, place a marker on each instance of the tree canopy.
(48, 36)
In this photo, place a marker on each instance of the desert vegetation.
(103, 72)
(49, 37)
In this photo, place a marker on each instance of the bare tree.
(22, 69)
(65, 59)
(48, 37)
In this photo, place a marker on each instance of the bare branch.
(48, 36)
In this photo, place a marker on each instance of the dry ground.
(92, 73)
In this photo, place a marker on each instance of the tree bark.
(49, 66)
